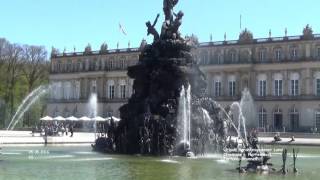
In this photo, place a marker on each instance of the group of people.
(55, 129)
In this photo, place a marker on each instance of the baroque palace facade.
(281, 73)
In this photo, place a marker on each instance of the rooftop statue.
(307, 32)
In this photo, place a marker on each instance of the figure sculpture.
(176, 24)
(168, 9)
(152, 30)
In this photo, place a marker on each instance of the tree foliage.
(22, 69)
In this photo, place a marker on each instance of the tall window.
(318, 52)
(278, 87)
(294, 119)
(262, 118)
(219, 57)
(93, 88)
(262, 55)
(317, 122)
(123, 91)
(69, 66)
(294, 88)
(111, 91)
(278, 54)
(232, 88)
(217, 88)
(262, 88)
(233, 57)
(318, 87)
(294, 53)
(79, 68)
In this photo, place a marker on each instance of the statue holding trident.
(168, 9)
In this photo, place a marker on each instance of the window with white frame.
(123, 91)
(262, 118)
(232, 87)
(278, 84)
(317, 84)
(262, 85)
(278, 54)
(233, 56)
(262, 55)
(294, 84)
(110, 89)
(294, 53)
(317, 120)
(219, 58)
(278, 87)
(317, 90)
(294, 119)
(93, 87)
(217, 88)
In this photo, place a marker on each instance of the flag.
(122, 29)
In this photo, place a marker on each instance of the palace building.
(281, 73)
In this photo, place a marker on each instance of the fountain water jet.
(26, 104)
(184, 116)
(93, 109)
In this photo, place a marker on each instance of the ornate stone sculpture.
(149, 121)
(307, 32)
(245, 36)
(88, 50)
(104, 48)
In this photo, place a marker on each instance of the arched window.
(262, 118)
(294, 119)
(278, 119)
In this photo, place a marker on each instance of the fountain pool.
(79, 162)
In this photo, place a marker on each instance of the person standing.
(71, 130)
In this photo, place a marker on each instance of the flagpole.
(240, 22)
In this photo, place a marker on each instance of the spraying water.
(26, 104)
(93, 108)
(184, 118)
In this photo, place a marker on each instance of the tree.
(35, 65)
(13, 65)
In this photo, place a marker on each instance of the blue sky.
(69, 23)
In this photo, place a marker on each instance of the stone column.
(285, 82)
(306, 82)
(269, 89)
